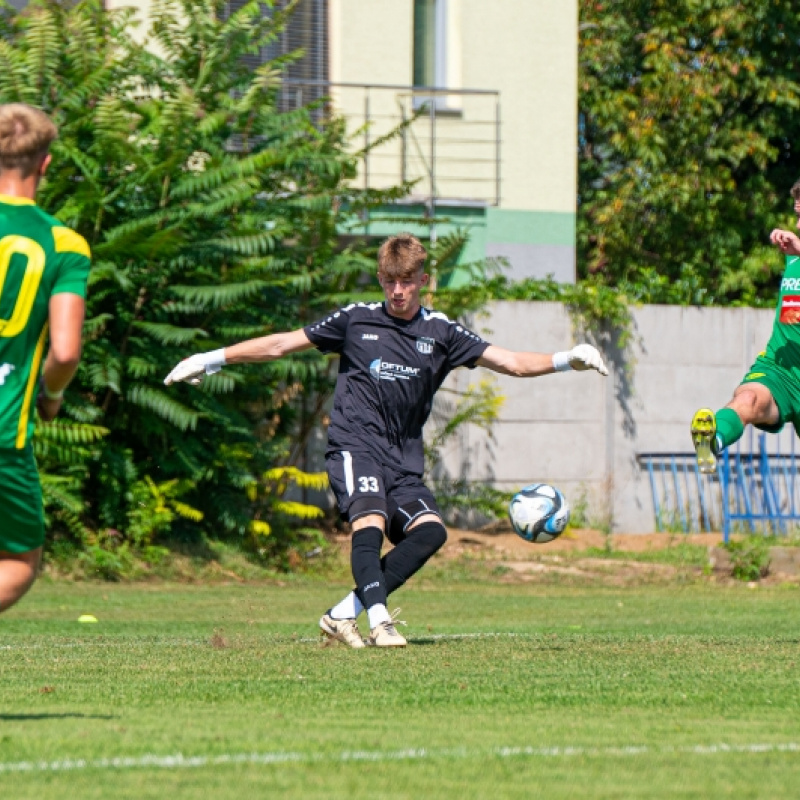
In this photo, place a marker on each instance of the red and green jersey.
(39, 257)
(784, 344)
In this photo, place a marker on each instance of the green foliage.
(64, 449)
(212, 217)
(154, 507)
(268, 496)
(595, 308)
(749, 557)
(579, 515)
(687, 146)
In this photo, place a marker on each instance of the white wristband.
(214, 360)
(561, 361)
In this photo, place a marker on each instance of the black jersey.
(389, 371)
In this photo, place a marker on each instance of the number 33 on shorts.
(368, 484)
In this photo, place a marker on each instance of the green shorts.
(784, 387)
(22, 524)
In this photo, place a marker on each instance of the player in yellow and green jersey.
(43, 271)
(769, 395)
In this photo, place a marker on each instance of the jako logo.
(385, 370)
(373, 585)
(5, 371)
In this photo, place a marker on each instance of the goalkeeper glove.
(196, 367)
(581, 357)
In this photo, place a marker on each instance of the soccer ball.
(538, 513)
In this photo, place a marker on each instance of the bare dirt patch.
(508, 544)
(577, 555)
(608, 571)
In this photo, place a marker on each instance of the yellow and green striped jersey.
(39, 257)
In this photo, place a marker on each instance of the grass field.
(507, 691)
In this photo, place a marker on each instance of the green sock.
(729, 428)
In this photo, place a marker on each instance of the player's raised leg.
(423, 539)
(752, 404)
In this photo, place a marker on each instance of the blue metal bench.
(756, 488)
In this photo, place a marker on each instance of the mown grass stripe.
(179, 761)
(197, 642)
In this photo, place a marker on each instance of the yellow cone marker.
(87, 618)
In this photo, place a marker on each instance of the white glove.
(196, 367)
(581, 357)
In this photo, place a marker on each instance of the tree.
(212, 217)
(687, 145)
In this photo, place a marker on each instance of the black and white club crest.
(425, 345)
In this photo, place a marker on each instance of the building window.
(430, 43)
(305, 80)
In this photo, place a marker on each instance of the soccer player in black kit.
(394, 356)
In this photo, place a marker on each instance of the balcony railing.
(449, 146)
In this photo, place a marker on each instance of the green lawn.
(507, 691)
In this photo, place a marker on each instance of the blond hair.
(401, 256)
(26, 134)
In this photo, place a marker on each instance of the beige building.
(488, 95)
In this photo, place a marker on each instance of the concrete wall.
(581, 431)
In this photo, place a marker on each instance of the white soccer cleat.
(341, 630)
(386, 635)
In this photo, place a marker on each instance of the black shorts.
(363, 487)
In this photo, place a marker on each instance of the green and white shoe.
(704, 439)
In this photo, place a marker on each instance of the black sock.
(410, 555)
(365, 560)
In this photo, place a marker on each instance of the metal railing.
(756, 488)
(448, 142)
(684, 500)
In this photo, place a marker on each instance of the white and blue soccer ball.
(539, 513)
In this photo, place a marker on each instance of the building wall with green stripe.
(531, 244)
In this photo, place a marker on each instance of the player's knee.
(753, 405)
(367, 539)
(431, 535)
(751, 400)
